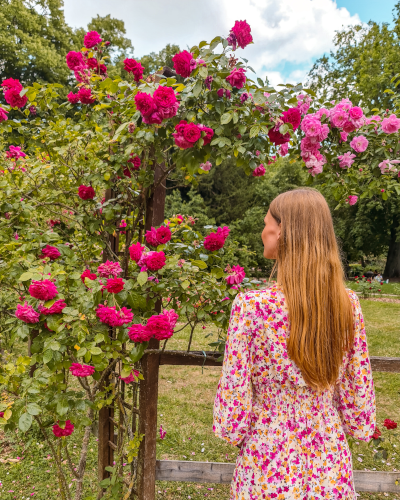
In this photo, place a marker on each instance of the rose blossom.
(208, 82)
(115, 285)
(164, 97)
(390, 125)
(87, 274)
(377, 434)
(215, 241)
(284, 149)
(355, 113)
(292, 116)
(163, 234)
(15, 152)
(145, 103)
(136, 162)
(139, 333)
(151, 237)
(43, 290)
(131, 377)
(259, 171)
(237, 78)
(27, 313)
(109, 268)
(206, 166)
(134, 67)
(13, 98)
(136, 251)
(182, 63)
(67, 431)
(86, 192)
(359, 144)
(56, 308)
(389, 424)
(74, 60)
(352, 200)
(79, 370)
(236, 275)
(159, 327)
(51, 252)
(85, 96)
(276, 137)
(242, 33)
(12, 83)
(154, 260)
(73, 98)
(3, 115)
(303, 103)
(346, 160)
(343, 136)
(209, 134)
(111, 317)
(386, 166)
(191, 133)
(91, 39)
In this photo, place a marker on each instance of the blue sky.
(289, 35)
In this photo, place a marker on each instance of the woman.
(296, 376)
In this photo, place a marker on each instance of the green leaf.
(62, 406)
(26, 276)
(254, 131)
(96, 351)
(226, 118)
(138, 351)
(185, 284)
(199, 263)
(25, 422)
(217, 272)
(142, 278)
(203, 72)
(47, 356)
(33, 409)
(197, 88)
(82, 351)
(283, 129)
(99, 338)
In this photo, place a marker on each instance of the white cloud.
(285, 32)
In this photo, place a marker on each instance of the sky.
(289, 35)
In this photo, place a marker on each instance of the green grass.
(186, 396)
(387, 288)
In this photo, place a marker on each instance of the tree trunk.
(392, 268)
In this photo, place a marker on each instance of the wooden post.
(106, 426)
(148, 389)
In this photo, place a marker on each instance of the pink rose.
(215, 241)
(43, 290)
(183, 63)
(163, 234)
(391, 125)
(276, 137)
(346, 160)
(73, 98)
(85, 96)
(292, 116)
(136, 251)
(343, 136)
(209, 134)
(27, 313)
(3, 115)
(88, 274)
(13, 98)
(109, 268)
(114, 285)
(151, 237)
(131, 377)
(237, 78)
(155, 260)
(113, 317)
(192, 133)
(355, 113)
(240, 34)
(145, 103)
(91, 39)
(86, 192)
(164, 97)
(339, 117)
(67, 431)
(139, 333)
(259, 171)
(79, 370)
(134, 67)
(154, 118)
(56, 308)
(236, 275)
(74, 60)
(15, 152)
(359, 144)
(206, 166)
(51, 252)
(352, 200)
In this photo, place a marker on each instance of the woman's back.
(292, 436)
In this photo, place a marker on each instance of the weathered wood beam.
(215, 472)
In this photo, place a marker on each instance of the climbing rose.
(352, 200)
(145, 103)
(208, 82)
(355, 113)
(13, 98)
(155, 260)
(56, 308)
(91, 39)
(277, 138)
(343, 136)
(159, 327)
(151, 237)
(236, 275)
(1, 414)
(134, 67)
(131, 377)
(15, 152)
(391, 125)
(87, 274)
(206, 166)
(191, 132)
(237, 78)
(79, 370)
(164, 96)
(215, 241)
(135, 251)
(109, 269)
(179, 137)
(163, 234)
(3, 115)
(139, 333)
(51, 252)
(209, 133)
(27, 313)
(86, 192)
(182, 63)
(293, 116)
(73, 98)
(85, 96)
(259, 171)
(43, 290)
(390, 424)
(115, 285)
(67, 431)
(74, 60)
(11, 83)
(359, 144)
(111, 317)
(242, 35)
(136, 162)
(346, 160)
(377, 434)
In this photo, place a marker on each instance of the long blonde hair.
(312, 277)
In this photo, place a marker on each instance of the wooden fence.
(214, 472)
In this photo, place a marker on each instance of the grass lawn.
(186, 396)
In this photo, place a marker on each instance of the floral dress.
(292, 438)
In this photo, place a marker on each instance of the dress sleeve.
(233, 402)
(355, 395)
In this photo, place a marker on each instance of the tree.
(154, 61)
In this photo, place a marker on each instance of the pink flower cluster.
(240, 35)
(237, 78)
(112, 317)
(303, 103)
(215, 241)
(15, 152)
(79, 370)
(161, 106)
(346, 117)
(50, 252)
(158, 236)
(236, 275)
(259, 171)
(184, 63)
(92, 38)
(224, 92)
(346, 160)
(187, 134)
(136, 251)
(352, 200)
(27, 313)
(386, 166)
(12, 89)
(3, 115)
(67, 431)
(292, 116)
(56, 308)
(131, 377)
(154, 261)
(315, 132)
(86, 192)
(390, 125)
(84, 96)
(109, 268)
(160, 327)
(88, 274)
(114, 285)
(134, 67)
(43, 290)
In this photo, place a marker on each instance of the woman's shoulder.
(272, 295)
(355, 301)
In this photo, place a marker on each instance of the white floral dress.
(293, 443)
